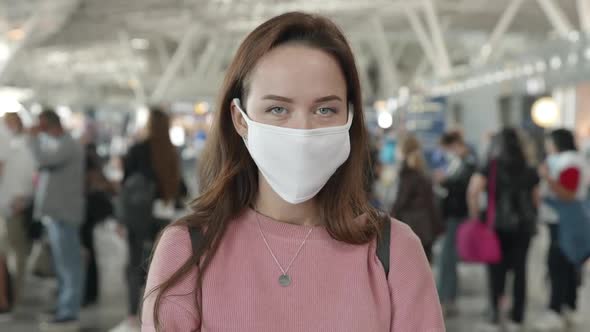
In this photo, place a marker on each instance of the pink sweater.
(336, 286)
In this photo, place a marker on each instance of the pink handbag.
(477, 242)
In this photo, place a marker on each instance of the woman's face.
(295, 86)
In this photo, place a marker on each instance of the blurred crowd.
(54, 191)
(514, 188)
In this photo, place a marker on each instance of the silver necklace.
(284, 279)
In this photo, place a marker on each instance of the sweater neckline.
(282, 229)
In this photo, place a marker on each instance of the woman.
(455, 180)
(288, 234)
(152, 183)
(563, 176)
(415, 200)
(514, 196)
(99, 207)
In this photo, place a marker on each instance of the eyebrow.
(328, 98)
(289, 100)
(278, 98)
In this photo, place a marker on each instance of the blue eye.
(277, 110)
(325, 111)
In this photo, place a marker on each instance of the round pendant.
(285, 280)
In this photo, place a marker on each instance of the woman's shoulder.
(176, 237)
(175, 232)
(172, 251)
(401, 233)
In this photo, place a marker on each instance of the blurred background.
(428, 67)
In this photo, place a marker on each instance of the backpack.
(136, 200)
(382, 251)
(515, 209)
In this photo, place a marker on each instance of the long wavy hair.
(413, 154)
(164, 156)
(508, 150)
(229, 176)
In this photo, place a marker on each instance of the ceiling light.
(177, 136)
(574, 36)
(541, 66)
(486, 50)
(15, 34)
(380, 106)
(545, 112)
(535, 86)
(141, 117)
(140, 43)
(132, 83)
(201, 108)
(385, 120)
(403, 95)
(555, 62)
(57, 57)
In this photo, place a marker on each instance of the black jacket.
(139, 160)
(454, 205)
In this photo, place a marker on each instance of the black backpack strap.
(196, 238)
(383, 242)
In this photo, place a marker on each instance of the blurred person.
(530, 148)
(283, 232)
(455, 180)
(374, 171)
(99, 193)
(152, 176)
(59, 204)
(585, 150)
(563, 175)
(16, 193)
(5, 279)
(515, 221)
(415, 201)
(6, 291)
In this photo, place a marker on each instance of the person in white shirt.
(16, 192)
(564, 177)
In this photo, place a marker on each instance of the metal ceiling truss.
(207, 33)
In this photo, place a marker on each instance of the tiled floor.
(472, 303)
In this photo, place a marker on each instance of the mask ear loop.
(238, 105)
(350, 113)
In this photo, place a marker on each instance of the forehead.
(297, 71)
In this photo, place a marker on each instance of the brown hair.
(229, 176)
(15, 119)
(164, 157)
(412, 152)
(51, 117)
(451, 137)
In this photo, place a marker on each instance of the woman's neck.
(273, 206)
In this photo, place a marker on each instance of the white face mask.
(297, 163)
